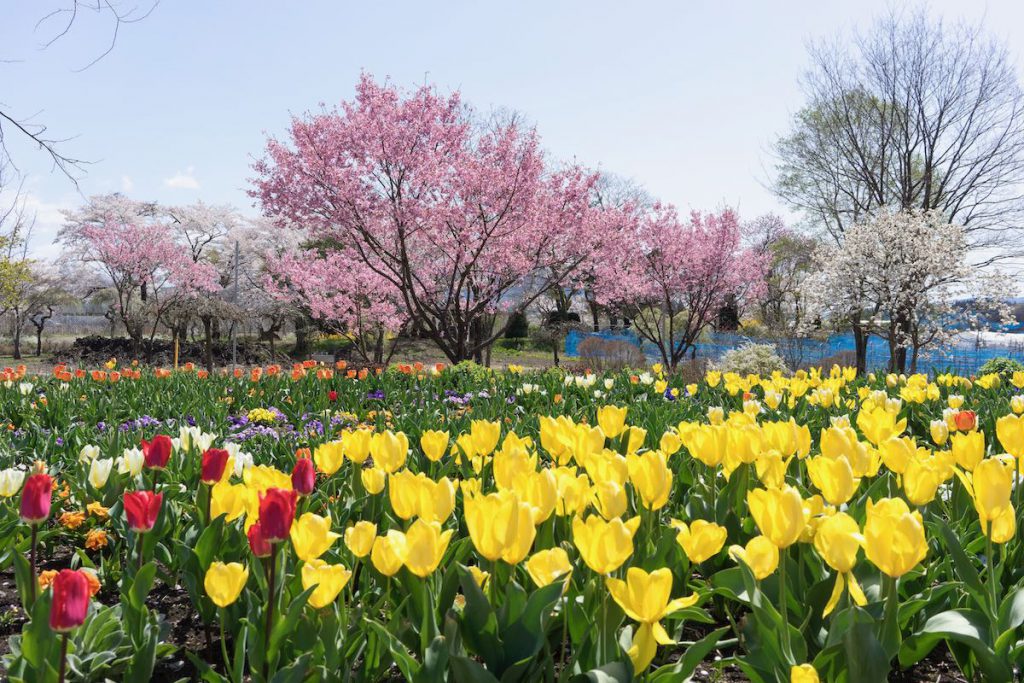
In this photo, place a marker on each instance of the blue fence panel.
(965, 357)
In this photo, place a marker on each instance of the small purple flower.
(101, 426)
(375, 395)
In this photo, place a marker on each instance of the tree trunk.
(39, 341)
(301, 349)
(860, 347)
(17, 338)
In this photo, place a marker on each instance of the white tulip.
(99, 472)
(10, 482)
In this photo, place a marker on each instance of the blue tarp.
(964, 358)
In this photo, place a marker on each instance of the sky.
(683, 97)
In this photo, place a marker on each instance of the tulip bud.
(35, 498)
(277, 512)
(303, 477)
(142, 509)
(939, 431)
(70, 600)
(359, 538)
(215, 460)
(157, 453)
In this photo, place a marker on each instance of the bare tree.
(914, 115)
(54, 25)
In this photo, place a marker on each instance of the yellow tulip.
(356, 444)
(669, 443)
(879, 425)
(434, 444)
(897, 453)
(804, 673)
(224, 582)
(1010, 432)
(404, 493)
(573, 491)
(485, 435)
(708, 444)
(312, 536)
(771, 468)
(1004, 527)
(700, 539)
(968, 449)
(511, 462)
(436, 499)
(604, 546)
(359, 538)
(479, 576)
(329, 457)
(329, 580)
(610, 499)
(540, 491)
(779, 514)
(546, 566)
(833, 477)
(373, 479)
(992, 481)
(636, 438)
(426, 546)
(842, 441)
(229, 500)
(1017, 404)
(525, 534)
(837, 540)
(492, 521)
(894, 538)
(645, 598)
(760, 555)
(389, 450)
(389, 552)
(651, 478)
(939, 432)
(921, 481)
(612, 420)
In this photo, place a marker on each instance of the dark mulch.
(95, 350)
(186, 632)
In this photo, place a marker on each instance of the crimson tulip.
(277, 512)
(257, 543)
(35, 498)
(142, 508)
(303, 476)
(215, 460)
(70, 600)
(157, 452)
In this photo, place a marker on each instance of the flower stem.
(224, 648)
(63, 657)
(783, 607)
(32, 563)
(271, 599)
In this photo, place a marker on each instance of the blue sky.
(683, 97)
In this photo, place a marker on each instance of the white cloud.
(127, 184)
(45, 219)
(183, 181)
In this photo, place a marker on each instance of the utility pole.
(234, 323)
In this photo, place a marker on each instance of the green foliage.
(1001, 365)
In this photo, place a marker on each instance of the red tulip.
(35, 498)
(257, 544)
(304, 476)
(70, 600)
(142, 509)
(157, 452)
(332, 395)
(965, 420)
(214, 462)
(277, 512)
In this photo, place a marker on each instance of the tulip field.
(454, 523)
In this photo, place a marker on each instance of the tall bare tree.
(913, 114)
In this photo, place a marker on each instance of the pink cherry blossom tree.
(463, 218)
(133, 249)
(672, 277)
(340, 290)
